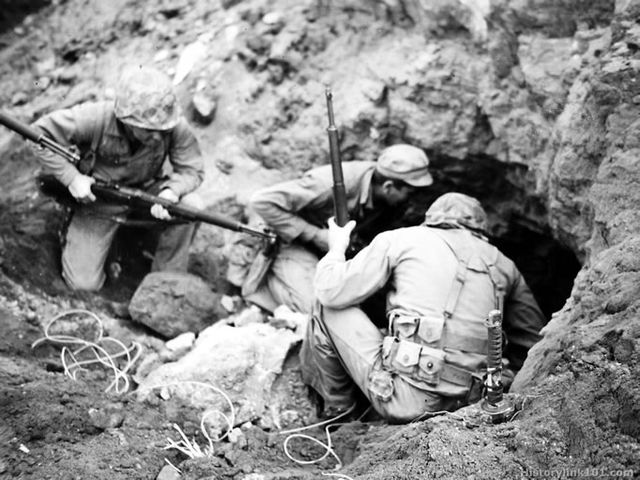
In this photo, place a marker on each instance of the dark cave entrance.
(517, 218)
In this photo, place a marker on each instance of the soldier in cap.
(298, 210)
(127, 142)
(445, 279)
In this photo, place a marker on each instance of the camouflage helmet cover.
(145, 98)
(458, 211)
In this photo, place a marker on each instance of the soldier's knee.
(193, 200)
(82, 283)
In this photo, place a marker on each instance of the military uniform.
(111, 156)
(444, 282)
(298, 210)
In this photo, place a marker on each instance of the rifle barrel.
(36, 137)
(339, 192)
(19, 127)
(119, 192)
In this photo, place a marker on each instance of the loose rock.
(172, 303)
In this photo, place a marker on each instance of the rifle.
(132, 196)
(339, 193)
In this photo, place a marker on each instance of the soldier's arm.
(523, 320)
(339, 283)
(280, 204)
(186, 159)
(68, 127)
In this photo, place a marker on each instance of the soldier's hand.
(80, 188)
(321, 239)
(158, 211)
(339, 237)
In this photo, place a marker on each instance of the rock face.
(172, 303)
(589, 356)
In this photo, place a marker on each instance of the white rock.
(190, 56)
(161, 56)
(272, 18)
(181, 342)
(168, 473)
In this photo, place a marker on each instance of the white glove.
(158, 211)
(80, 188)
(339, 237)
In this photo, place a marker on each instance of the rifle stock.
(339, 193)
(123, 194)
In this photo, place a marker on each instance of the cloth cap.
(457, 210)
(407, 163)
(145, 99)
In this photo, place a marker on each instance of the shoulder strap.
(463, 252)
(88, 160)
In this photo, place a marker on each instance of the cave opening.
(518, 221)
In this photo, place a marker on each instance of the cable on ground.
(328, 446)
(188, 446)
(96, 349)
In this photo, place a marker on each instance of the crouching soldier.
(126, 142)
(445, 278)
(298, 210)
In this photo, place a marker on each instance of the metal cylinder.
(494, 357)
(495, 404)
(494, 329)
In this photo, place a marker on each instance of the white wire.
(328, 446)
(121, 382)
(191, 447)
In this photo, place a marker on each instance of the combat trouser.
(289, 281)
(342, 352)
(90, 235)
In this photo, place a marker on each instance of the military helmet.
(145, 98)
(458, 211)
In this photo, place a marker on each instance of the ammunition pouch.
(426, 367)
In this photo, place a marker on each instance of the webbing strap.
(456, 288)
(463, 254)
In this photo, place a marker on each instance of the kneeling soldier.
(126, 142)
